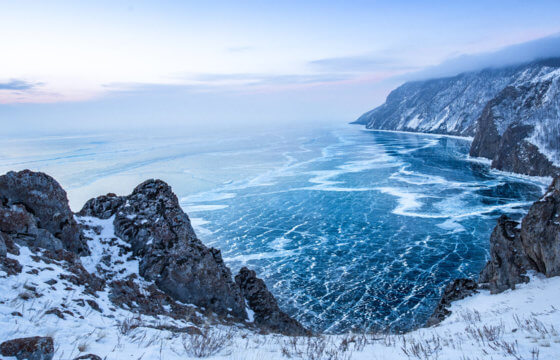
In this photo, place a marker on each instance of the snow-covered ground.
(517, 324)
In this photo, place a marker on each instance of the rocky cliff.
(515, 249)
(513, 114)
(138, 253)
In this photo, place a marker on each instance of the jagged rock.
(3, 247)
(55, 311)
(540, 232)
(94, 305)
(456, 290)
(10, 266)
(103, 206)
(535, 245)
(31, 348)
(151, 301)
(161, 236)
(88, 357)
(11, 247)
(38, 212)
(70, 261)
(267, 313)
(23, 227)
(508, 262)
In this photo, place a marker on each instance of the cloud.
(542, 48)
(359, 63)
(20, 85)
(268, 79)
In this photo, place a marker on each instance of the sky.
(76, 65)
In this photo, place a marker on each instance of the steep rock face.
(508, 263)
(513, 114)
(515, 249)
(34, 210)
(540, 232)
(267, 313)
(534, 245)
(516, 154)
(519, 128)
(486, 143)
(444, 106)
(160, 234)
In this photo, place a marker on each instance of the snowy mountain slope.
(444, 106)
(513, 113)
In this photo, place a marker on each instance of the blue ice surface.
(350, 229)
(364, 235)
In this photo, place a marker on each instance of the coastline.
(458, 137)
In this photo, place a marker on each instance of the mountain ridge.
(512, 113)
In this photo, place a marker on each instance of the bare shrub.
(508, 348)
(209, 342)
(470, 316)
(129, 324)
(356, 342)
(534, 325)
(315, 348)
(422, 349)
(486, 334)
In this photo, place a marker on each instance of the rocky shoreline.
(515, 249)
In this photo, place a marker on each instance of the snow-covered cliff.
(513, 113)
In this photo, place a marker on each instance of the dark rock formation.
(11, 247)
(456, 290)
(31, 348)
(8, 265)
(515, 249)
(540, 232)
(3, 247)
(103, 206)
(516, 154)
(485, 143)
(503, 132)
(88, 357)
(127, 294)
(533, 245)
(508, 263)
(267, 313)
(78, 274)
(160, 234)
(34, 210)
